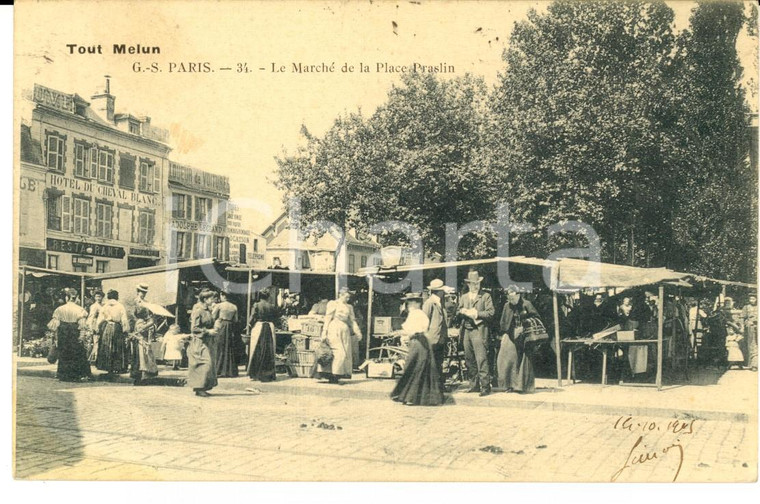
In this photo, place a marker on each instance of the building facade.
(317, 253)
(99, 194)
(246, 247)
(91, 185)
(197, 214)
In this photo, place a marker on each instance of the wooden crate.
(312, 328)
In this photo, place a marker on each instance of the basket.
(300, 362)
(301, 341)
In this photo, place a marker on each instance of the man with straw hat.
(476, 311)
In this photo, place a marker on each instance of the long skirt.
(339, 339)
(226, 348)
(201, 369)
(113, 352)
(421, 383)
(261, 365)
(750, 334)
(143, 361)
(72, 355)
(515, 367)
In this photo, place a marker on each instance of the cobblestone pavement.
(103, 431)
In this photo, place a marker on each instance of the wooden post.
(248, 305)
(369, 315)
(81, 298)
(558, 350)
(21, 312)
(660, 302)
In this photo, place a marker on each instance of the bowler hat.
(473, 277)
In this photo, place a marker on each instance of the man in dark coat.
(476, 311)
(438, 330)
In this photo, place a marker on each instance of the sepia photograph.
(385, 241)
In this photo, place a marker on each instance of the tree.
(715, 214)
(582, 120)
(416, 160)
(604, 115)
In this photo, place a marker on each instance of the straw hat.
(412, 296)
(142, 287)
(436, 284)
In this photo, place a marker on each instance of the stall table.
(604, 345)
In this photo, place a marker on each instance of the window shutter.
(99, 221)
(65, 213)
(197, 209)
(156, 179)
(93, 162)
(109, 172)
(87, 217)
(189, 210)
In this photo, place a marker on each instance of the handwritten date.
(674, 426)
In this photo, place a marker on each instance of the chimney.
(103, 103)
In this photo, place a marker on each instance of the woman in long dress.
(514, 363)
(421, 382)
(261, 360)
(201, 353)
(340, 326)
(143, 361)
(73, 364)
(225, 321)
(113, 352)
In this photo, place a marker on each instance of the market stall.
(39, 289)
(575, 275)
(294, 293)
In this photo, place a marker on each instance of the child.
(172, 345)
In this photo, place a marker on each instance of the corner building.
(91, 186)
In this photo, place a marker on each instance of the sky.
(233, 123)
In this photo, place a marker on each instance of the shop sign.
(72, 247)
(144, 252)
(54, 99)
(81, 261)
(203, 227)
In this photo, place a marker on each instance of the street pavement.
(115, 431)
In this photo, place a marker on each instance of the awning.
(531, 261)
(580, 274)
(155, 269)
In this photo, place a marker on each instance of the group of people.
(426, 326)
(732, 329)
(120, 337)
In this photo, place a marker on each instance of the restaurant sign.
(72, 247)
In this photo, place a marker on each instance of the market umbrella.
(157, 309)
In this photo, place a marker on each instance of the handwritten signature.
(639, 455)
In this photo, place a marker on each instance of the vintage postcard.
(385, 241)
